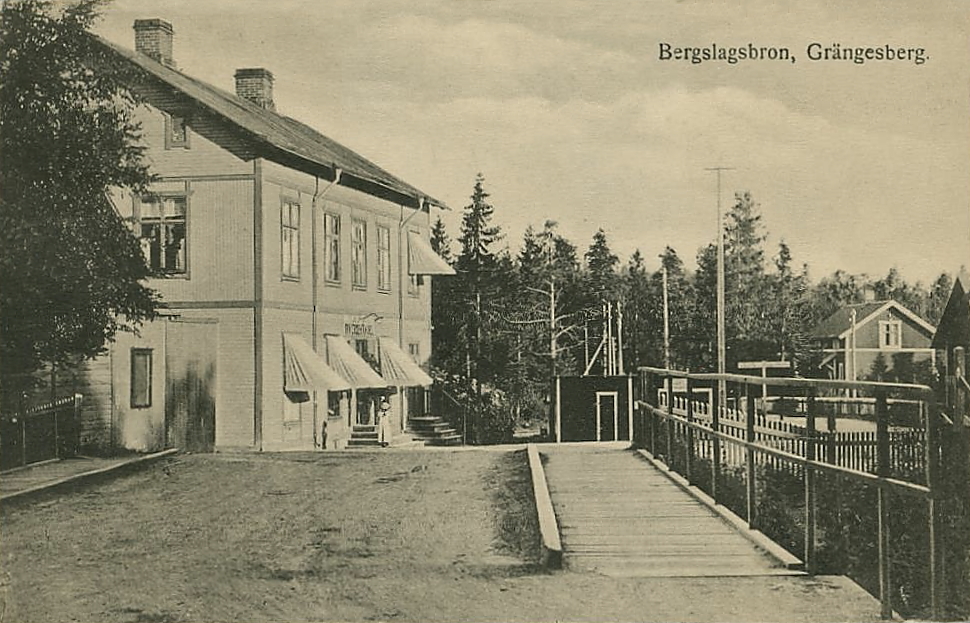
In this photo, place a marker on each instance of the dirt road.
(396, 536)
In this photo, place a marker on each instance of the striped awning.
(398, 368)
(348, 364)
(422, 260)
(304, 370)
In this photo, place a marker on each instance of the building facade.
(294, 274)
(859, 339)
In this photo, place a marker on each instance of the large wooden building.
(293, 273)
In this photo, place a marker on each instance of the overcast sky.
(566, 108)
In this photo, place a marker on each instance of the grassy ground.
(392, 536)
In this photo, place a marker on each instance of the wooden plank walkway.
(620, 516)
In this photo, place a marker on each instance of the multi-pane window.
(358, 257)
(141, 378)
(414, 349)
(331, 242)
(890, 334)
(176, 132)
(163, 234)
(290, 239)
(383, 258)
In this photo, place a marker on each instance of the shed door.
(607, 415)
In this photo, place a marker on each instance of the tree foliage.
(71, 272)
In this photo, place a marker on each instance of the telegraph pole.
(721, 347)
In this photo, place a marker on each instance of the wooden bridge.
(714, 491)
(621, 516)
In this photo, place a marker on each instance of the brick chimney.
(256, 85)
(153, 37)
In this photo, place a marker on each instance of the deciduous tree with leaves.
(71, 273)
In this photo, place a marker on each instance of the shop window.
(290, 239)
(163, 234)
(141, 378)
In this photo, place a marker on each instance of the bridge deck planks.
(620, 516)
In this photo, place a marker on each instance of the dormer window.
(176, 132)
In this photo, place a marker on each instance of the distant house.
(292, 270)
(853, 339)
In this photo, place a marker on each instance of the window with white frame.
(890, 334)
(141, 378)
(163, 233)
(383, 258)
(358, 256)
(290, 239)
(331, 243)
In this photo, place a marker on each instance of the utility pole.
(721, 347)
(552, 324)
(619, 336)
(666, 321)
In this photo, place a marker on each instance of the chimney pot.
(153, 37)
(256, 85)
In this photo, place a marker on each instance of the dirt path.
(398, 536)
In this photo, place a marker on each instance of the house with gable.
(294, 275)
(854, 338)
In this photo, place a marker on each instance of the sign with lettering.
(359, 329)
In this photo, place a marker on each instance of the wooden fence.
(49, 431)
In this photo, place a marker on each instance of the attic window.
(890, 334)
(176, 132)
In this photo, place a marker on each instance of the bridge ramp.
(620, 516)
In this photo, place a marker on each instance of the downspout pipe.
(318, 194)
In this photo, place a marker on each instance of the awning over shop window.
(304, 370)
(398, 368)
(348, 364)
(422, 260)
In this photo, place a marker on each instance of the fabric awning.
(422, 260)
(304, 370)
(348, 364)
(398, 368)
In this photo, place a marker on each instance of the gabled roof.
(839, 324)
(954, 327)
(282, 138)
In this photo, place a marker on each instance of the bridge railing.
(854, 502)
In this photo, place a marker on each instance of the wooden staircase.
(364, 436)
(433, 431)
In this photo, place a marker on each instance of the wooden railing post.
(654, 396)
(715, 442)
(931, 441)
(669, 424)
(810, 482)
(689, 463)
(749, 454)
(882, 470)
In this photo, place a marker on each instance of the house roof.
(954, 327)
(840, 323)
(283, 139)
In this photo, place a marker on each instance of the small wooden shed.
(592, 408)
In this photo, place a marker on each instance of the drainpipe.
(318, 194)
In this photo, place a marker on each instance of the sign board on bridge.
(679, 385)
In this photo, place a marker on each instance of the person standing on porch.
(383, 421)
